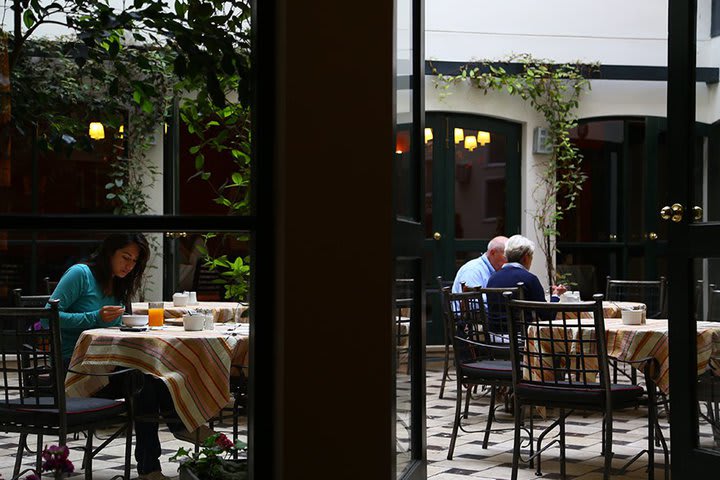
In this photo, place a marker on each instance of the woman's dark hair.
(123, 289)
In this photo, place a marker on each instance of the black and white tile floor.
(584, 461)
(583, 433)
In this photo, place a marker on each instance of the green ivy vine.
(554, 91)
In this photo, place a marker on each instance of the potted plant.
(216, 460)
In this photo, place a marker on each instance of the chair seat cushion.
(487, 370)
(79, 411)
(568, 394)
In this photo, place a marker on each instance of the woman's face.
(124, 259)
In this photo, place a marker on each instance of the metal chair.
(480, 348)
(653, 293)
(713, 304)
(49, 285)
(708, 395)
(32, 389)
(563, 364)
(25, 301)
(447, 338)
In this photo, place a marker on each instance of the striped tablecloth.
(194, 365)
(613, 309)
(634, 342)
(222, 311)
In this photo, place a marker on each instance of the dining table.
(195, 365)
(222, 311)
(613, 309)
(635, 342)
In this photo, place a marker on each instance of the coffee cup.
(632, 317)
(193, 323)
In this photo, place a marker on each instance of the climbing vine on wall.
(553, 90)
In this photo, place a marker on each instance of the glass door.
(472, 194)
(615, 231)
(692, 213)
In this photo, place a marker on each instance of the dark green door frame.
(441, 244)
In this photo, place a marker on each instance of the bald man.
(477, 271)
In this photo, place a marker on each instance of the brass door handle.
(437, 236)
(697, 213)
(674, 212)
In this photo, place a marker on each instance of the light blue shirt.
(81, 298)
(474, 273)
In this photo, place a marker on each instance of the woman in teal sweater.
(95, 295)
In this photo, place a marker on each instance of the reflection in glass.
(404, 289)
(707, 315)
(27, 259)
(480, 184)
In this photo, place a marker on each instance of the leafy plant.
(214, 460)
(234, 274)
(553, 90)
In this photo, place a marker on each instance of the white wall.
(611, 32)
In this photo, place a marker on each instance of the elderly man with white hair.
(519, 253)
(477, 271)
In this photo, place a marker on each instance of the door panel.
(693, 247)
(472, 180)
(615, 229)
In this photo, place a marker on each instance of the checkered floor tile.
(584, 461)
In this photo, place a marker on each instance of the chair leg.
(490, 414)
(607, 444)
(562, 443)
(467, 401)
(128, 448)
(88, 455)
(516, 440)
(22, 442)
(652, 421)
(456, 424)
(446, 370)
(38, 452)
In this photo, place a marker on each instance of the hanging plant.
(554, 91)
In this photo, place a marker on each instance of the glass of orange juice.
(156, 314)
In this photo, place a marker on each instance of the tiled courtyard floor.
(583, 434)
(470, 460)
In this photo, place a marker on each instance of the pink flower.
(223, 442)
(56, 459)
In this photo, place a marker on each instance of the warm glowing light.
(96, 131)
(121, 131)
(459, 135)
(428, 135)
(470, 143)
(483, 137)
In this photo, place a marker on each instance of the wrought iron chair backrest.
(652, 293)
(30, 359)
(24, 301)
(567, 352)
(479, 330)
(713, 303)
(49, 285)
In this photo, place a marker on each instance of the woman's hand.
(558, 290)
(109, 313)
